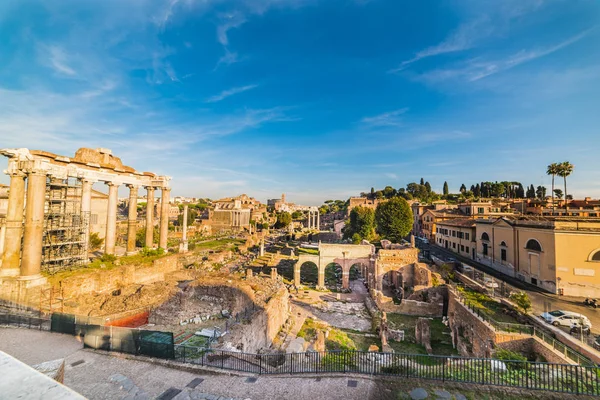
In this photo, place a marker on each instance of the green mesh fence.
(62, 323)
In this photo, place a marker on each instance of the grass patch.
(301, 250)
(487, 306)
(441, 341)
(218, 244)
(337, 339)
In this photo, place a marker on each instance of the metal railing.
(576, 379)
(483, 371)
(527, 330)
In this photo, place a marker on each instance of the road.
(541, 301)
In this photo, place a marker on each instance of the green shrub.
(95, 241)
(512, 359)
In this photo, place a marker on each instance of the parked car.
(490, 283)
(566, 318)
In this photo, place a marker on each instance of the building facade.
(558, 255)
(457, 235)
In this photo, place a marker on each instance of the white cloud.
(391, 118)
(229, 21)
(230, 92)
(463, 38)
(476, 69)
(58, 60)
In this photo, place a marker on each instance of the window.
(503, 254)
(503, 244)
(462, 248)
(453, 245)
(595, 256)
(480, 210)
(485, 249)
(453, 233)
(466, 236)
(94, 219)
(534, 245)
(467, 249)
(485, 236)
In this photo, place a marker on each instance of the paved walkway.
(97, 375)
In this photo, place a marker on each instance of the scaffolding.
(65, 226)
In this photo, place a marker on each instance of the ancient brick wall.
(530, 347)
(102, 280)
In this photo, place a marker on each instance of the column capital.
(132, 187)
(111, 183)
(15, 173)
(38, 172)
(165, 189)
(88, 180)
(149, 188)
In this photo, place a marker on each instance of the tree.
(558, 193)
(541, 192)
(389, 192)
(565, 169)
(553, 169)
(362, 223)
(531, 192)
(422, 182)
(445, 190)
(522, 300)
(372, 193)
(428, 187)
(463, 188)
(283, 220)
(497, 189)
(191, 217)
(298, 214)
(520, 192)
(477, 190)
(394, 219)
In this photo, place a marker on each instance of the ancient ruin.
(47, 222)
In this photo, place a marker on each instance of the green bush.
(512, 359)
(95, 241)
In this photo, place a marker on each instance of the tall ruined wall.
(471, 335)
(263, 325)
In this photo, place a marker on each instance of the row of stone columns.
(314, 219)
(22, 255)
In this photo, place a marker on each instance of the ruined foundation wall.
(102, 280)
(530, 347)
(263, 326)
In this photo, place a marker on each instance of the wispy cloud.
(476, 69)
(463, 38)
(481, 70)
(391, 118)
(227, 59)
(430, 138)
(58, 60)
(229, 21)
(229, 92)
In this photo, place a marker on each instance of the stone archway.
(333, 274)
(309, 273)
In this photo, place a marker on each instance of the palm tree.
(553, 169)
(565, 169)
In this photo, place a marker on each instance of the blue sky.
(319, 99)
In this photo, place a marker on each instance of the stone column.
(111, 218)
(86, 210)
(183, 247)
(132, 219)
(164, 217)
(262, 247)
(14, 226)
(150, 217)
(2, 236)
(345, 277)
(297, 274)
(31, 263)
(321, 279)
(318, 221)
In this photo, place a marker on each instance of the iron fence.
(576, 379)
(529, 330)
